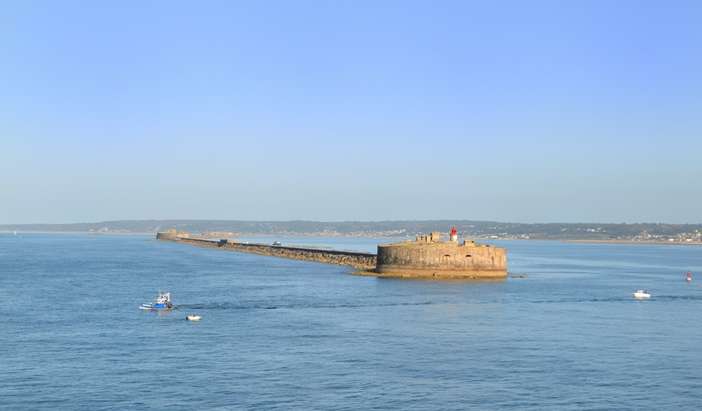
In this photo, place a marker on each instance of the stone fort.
(428, 256)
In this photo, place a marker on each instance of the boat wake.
(294, 306)
(626, 299)
(255, 306)
(679, 297)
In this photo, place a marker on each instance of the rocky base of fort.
(433, 273)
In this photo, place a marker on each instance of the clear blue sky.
(348, 110)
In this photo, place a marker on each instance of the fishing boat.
(193, 317)
(642, 295)
(688, 277)
(162, 302)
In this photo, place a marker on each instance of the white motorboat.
(642, 295)
(193, 317)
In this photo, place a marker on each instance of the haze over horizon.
(448, 220)
(338, 111)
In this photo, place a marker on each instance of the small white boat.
(193, 317)
(642, 295)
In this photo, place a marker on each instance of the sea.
(563, 333)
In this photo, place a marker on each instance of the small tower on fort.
(453, 235)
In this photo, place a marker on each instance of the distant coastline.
(642, 242)
(19, 232)
(636, 233)
(312, 235)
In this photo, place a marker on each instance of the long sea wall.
(361, 261)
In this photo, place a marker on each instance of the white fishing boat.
(642, 295)
(162, 302)
(193, 317)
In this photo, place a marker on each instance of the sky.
(538, 111)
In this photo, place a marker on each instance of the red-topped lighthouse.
(453, 235)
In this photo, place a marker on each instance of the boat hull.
(154, 307)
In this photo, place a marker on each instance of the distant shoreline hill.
(638, 232)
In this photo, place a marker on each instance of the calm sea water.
(280, 334)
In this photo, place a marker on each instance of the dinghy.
(642, 295)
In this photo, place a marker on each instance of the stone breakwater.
(425, 257)
(359, 261)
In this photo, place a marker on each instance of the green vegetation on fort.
(475, 229)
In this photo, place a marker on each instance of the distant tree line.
(390, 228)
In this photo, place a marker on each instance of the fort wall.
(426, 258)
